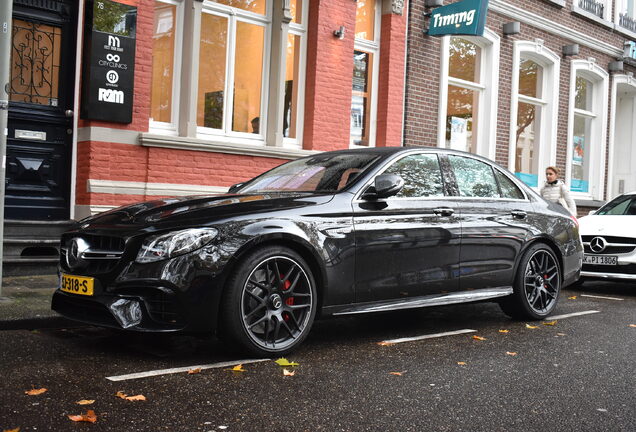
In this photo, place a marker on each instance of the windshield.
(623, 205)
(320, 173)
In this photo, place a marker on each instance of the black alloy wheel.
(537, 285)
(270, 304)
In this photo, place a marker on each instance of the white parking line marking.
(430, 336)
(571, 315)
(181, 369)
(602, 297)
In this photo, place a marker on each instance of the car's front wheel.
(537, 285)
(270, 302)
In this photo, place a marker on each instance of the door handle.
(518, 214)
(444, 211)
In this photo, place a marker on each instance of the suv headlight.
(170, 245)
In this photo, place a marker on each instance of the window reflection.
(474, 178)
(461, 113)
(528, 119)
(212, 64)
(530, 79)
(248, 72)
(583, 94)
(365, 19)
(580, 145)
(421, 174)
(163, 62)
(464, 60)
(291, 86)
(361, 96)
(256, 6)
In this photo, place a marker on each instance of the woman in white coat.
(556, 191)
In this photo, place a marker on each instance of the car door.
(494, 215)
(407, 245)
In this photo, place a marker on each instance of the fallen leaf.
(572, 298)
(35, 392)
(550, 323)
(384, 343)
(123, 395)
(238, 368)
(194, 371)
(461, 363)
(88, 417)
(85, 402)
(11, 430)
(511, 353)
(531, 326)
(287, 372)
(285, 362)
(632, 325)
(398, 373)
(504, 331)
(480, 338)
(560, 334)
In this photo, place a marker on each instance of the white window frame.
(372, 47)
(234, 16)
(623, 81)
(599, 78)
(488, 91)
(546, 143)
(298, 30)
(171, 128)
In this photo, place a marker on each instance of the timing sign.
(109, 62)
(466, 17)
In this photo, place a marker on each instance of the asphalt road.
(578, 374)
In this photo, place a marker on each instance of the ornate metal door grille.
(35, 63)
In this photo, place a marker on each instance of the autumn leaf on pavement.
(632, 325)
(285, 362)
(85, 402)
(398, 373)
(461, 363)
(504, 331)
(479, 338)
(11, 430)
(123, 395)
(35, 392)
(550, 323)
(572, 298)
(560, 334)
(287, 372)
(238, 368)
(531, 326)
(510, 353)
(385, 343)
(194, 371)
(88, 417)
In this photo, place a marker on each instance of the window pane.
(35, 63)
(365, 19)
(361, 97)
(583, 94)
(507, 187)
(530, 78)
(461, 113)
(474, 178)
(248, 77)
(296, 9)
(256, 6)
(464, 60)
(212, 58)
(421, 174)
(527, 134)
(580, 161)
(163, 62)
(291, 86)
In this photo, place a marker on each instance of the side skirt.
(418, 302)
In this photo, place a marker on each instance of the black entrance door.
(40, 129)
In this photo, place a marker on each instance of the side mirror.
(385, 185)
(235, 187)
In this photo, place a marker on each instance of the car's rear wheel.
(270, 302)
(537, 285)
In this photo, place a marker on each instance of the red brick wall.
(391, 85)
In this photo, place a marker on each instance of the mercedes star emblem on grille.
(598, 244)
(75, 254)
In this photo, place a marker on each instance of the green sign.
(466, 17)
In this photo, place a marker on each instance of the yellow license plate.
(77, 284)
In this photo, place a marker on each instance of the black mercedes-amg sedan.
(335, 233)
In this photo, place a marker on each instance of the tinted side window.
(474, 178)
(421, 174)
(508, 188)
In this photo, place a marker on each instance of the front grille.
(615, 245)
(163, 307)
(102, 256)
(605, 269)
(82, 309)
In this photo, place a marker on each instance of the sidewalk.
(25, 303)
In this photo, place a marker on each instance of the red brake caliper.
(290, 300)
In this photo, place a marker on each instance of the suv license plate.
(600, 259)
(77, 284)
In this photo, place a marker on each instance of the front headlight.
(170, 245)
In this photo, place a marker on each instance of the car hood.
(608, 225)
(200, 209)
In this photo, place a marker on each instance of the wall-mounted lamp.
(511, 28)
(615, 66)
(340, 33)
(433, 3)
(570, 50)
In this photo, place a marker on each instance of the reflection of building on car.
(609, 239)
